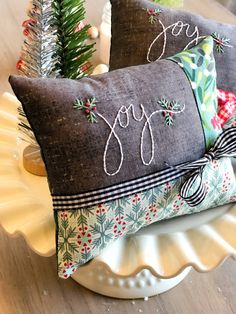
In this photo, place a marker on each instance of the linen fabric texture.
(132, 35)
(73, 148)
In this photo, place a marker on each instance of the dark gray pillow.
(111, 142)
(81, 156)
(135, 27)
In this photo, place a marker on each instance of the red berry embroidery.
(88, 107)
(170, 108)
(153, 14)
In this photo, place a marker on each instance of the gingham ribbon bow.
(225, 146)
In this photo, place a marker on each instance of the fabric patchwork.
(133, 136)
(199, 65)
(84, 233)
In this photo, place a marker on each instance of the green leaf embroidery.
(153, 14)
(172, 106)
(221, 42)
(89, 108)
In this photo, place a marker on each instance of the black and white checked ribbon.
(225, 146)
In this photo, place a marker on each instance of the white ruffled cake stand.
(150, 262)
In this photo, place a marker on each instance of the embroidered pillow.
(144, 32)
(119, 148)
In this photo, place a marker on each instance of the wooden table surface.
(29, 283)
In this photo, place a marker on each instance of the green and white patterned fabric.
(82, 234)
(198, 64)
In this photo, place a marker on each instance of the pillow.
(143, 32)
(126, 148)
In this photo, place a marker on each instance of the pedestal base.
(141, 285)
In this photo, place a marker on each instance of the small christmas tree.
(54, 46)
(55, 43)
(39, 56)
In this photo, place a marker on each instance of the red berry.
(27, 22)
(87, 111)
(26, 32)
(94, 108)
(19, 64)
(87, 104)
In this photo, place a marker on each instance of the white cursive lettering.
(176, 29)
(122, 120)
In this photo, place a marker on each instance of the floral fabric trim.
(199, 66)
(83, 233)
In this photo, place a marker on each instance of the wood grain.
(29, 283)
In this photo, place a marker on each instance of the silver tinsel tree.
(39, 57)
(54, 46)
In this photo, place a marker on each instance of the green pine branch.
(72, 47)
(54, 46)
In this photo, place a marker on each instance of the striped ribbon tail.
(225, 146)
